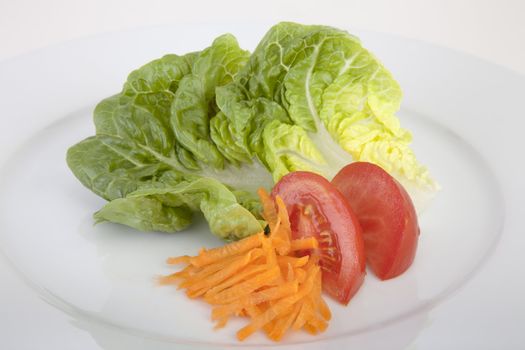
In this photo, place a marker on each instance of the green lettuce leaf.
(226, 217)
(145, 214)
(194, 100)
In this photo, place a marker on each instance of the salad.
(308, 115)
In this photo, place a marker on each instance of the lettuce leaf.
(166, 205)
(145, 213)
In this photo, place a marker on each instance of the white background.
(493, 30)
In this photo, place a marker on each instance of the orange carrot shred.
(285, 324)
(310, 329)
(244, 288)
(283, 234)
(252, 310)
(238, 277)
(295, 262)
(226, 272)
(259, 277)
(324, 310)
(169, 279)
(209, 256)
(198, 273)
(300, 274)
(304, 244)
(221, 323)
(269, 212)
(184, 259)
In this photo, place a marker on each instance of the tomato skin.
(317, 209)
(386, 214)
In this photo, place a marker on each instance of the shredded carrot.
(284, 323)
(239, 277)
(185, 259)
(269, 212)
(259, 277)
(304, 244)
(282, 236)
(245, 287)
(269, 294)
(225, 273)
(170, 279)
(295, 262)
(207, 257)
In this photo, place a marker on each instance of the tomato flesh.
(386, 214)
(317, 209)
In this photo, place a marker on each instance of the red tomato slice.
(317, 209)
(386, 214)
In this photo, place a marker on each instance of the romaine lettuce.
(201, 132)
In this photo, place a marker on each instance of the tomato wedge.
(317, 209)
(386, 214)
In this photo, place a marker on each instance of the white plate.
(465, 118)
